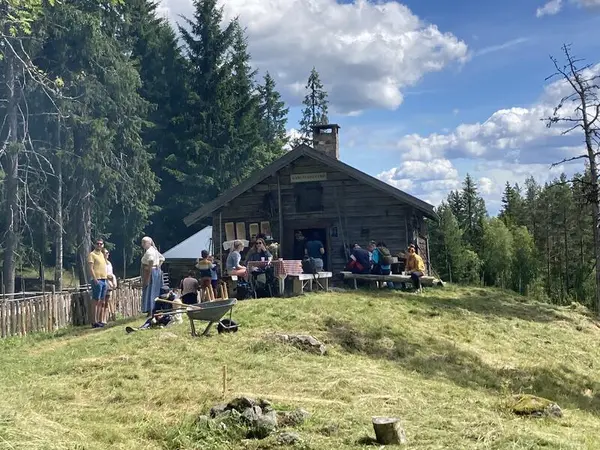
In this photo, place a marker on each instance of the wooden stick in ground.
(389, 431)
(224, 381)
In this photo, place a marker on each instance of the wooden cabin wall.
(366, 213)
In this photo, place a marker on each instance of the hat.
(165, 290)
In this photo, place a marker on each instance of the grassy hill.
(446, 362)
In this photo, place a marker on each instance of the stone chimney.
(326, 139)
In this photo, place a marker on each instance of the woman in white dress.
(151, 274)
(111, 286)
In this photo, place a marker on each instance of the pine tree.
(315, 108)
(512, 212)
(469, 208)
(273, 116)
(163, 71)
(249, 153)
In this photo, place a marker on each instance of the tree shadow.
(495, 302)
(436, 358)
(78, 331)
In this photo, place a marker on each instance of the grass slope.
(445, 362)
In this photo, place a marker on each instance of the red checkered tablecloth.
(282, 267)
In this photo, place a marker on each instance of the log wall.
(357, 211)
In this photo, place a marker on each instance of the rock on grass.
(530, 405)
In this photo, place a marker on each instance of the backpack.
(309, 266)
(244, 291)
(386, 256)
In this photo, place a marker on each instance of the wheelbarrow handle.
(179, 304)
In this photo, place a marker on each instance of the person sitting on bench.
(189, 289)
(234, 268)
(415, 267)
(382, 260)
(360, 262)
(260, 252)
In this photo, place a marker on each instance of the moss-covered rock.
(530, 405)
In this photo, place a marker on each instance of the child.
(214, 275)
(205, 266)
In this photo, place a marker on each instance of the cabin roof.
(288, 158)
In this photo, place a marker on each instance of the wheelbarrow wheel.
(227, 326)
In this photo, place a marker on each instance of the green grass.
(32, 273)
(446, 362)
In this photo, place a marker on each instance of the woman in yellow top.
(415, 267)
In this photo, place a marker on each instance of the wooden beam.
(280, 211)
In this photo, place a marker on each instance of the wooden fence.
(52, 311)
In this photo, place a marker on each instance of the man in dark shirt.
(360, 261)
(315, 250)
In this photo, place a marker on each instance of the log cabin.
(310, 191)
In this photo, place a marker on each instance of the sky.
(426, 91)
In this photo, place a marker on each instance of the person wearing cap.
(162, 314)
(415, 267)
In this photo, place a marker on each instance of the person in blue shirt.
(315, 250)
(380, 252)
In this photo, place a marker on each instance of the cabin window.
(309, 197)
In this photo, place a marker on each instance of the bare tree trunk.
(566, 249)
(58, 217)
(11, 176)
(84, 231)
(586, 118)
(42, 251)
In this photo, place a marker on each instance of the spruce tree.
(315, 109)
(474, 213)
(273, 116)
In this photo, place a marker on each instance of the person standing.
(315, 250)
(205, 266)
(111, 285)
(97, 269)
(151, 274)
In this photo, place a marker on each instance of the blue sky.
(428, 90)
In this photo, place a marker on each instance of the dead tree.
(584, 118)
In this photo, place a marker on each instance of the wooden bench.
(300, 281)
(395, 278)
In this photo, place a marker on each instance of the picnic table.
(281, 268)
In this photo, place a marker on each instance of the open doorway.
(303, 235)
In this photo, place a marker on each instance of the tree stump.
(389, 431)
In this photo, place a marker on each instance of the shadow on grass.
(71, 331)
(433, 358)
(491, 302)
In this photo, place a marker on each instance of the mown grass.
(446, 362)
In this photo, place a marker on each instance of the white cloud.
(511, 145)
(500, 47)
(381, 48)
(555, 6)
(486, 185)
(517, 135)
(431, 180)
(549, 9)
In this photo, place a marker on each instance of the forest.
(541, 244)
(114, 124)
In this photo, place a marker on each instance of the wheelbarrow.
(211, 312)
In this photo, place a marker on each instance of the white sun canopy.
(192, 246)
